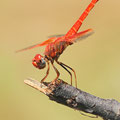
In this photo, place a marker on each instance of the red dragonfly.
(57, 44)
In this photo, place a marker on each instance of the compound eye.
(38, 57)
(42, 64)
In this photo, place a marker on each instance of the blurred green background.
(96, 59)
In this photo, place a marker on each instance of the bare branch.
(63, 93)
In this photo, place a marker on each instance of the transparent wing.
(56, 35)
(39, 44)
(81, 35)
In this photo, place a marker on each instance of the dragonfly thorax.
(54, 50)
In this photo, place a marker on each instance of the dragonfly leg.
(46, 72)
(58, 74)
(64, 66)
(65, 69)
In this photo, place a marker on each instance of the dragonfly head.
(39, 62)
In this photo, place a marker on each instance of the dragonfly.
(55, 46)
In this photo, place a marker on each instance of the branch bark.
(63, 93)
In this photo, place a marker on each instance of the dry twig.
(63, 93)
